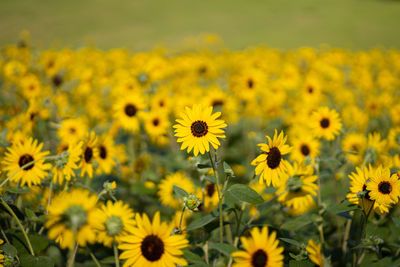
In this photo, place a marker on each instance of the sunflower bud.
(62, 160)
(192, 202)
(371, 156)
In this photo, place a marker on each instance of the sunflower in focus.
(71, 218)
(314, 253)
(166, 188)
(358, 185)
(261, 250)
(127, 110)
(198, 128)
(89, 155)
(272, 167)
(20, 154)
(152, 244)
(69, 161)
(111, 222)
(384, 188)
(326, 123)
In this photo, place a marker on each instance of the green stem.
(95, 260)
(71, 259)
(180, 221)
(19, 224)
(116, 255)
(220, 198)
(321, 225)
(27, 165)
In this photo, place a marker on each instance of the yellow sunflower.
(152, 244)
(106, 154)
(261, 250)
(89, 155)
(166, 188)
(325, 123)
(72, 130)
(71, 218)
(314, 253)
(111, 222)
(127, 110)
(358, 184)
(64, 168)
(272, 167)
(383, 187)
(21, 154)
(198, 128)
(304, 145)
(156, 125)
(354, 145)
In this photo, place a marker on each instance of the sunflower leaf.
(291, 241)
(296, 224)
(246, 194)
(10, 250)
(342, 207)
(300, 264)
(223, 248)
(202, 221)
(179, 192)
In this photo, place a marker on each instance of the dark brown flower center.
(161, 103)
(324, 123)
(103, 152)
(32, 116)
(156, 122)
(202, 69)
(274, 157)
(152, 248)
(130, 110)
(217, 103)
(199, 128)
(385, 187)
(72, 130)
(250, 83)
(25, 159)
(57, 80)
(305, 150)
(367, 196)
(88, 154)
(259, 258)
(310, 89)
(210, 188)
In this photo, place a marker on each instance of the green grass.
(356, 24)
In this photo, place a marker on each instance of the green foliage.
(246, 194)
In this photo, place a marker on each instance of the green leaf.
(39, 243)
(291, 241)
(223, 248)
(10, 250)
(30, 214)
(202, 221)
(246, 194)
(396, 221)
(31, 261)
(211, 179)
(342, 207)
(301, 264)
(296, 223)
(18, 190)
(179, 192)
(228, 170)
(191, 257)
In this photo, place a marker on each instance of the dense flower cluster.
(93, 142)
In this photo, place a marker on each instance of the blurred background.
(141, 25)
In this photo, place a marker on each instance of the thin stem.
(95, 260)
(180, 221)
(27, 165)
(321, 226)
(116, 254)
(221, 222)
(71, 259)
(19, 224)
(50, 192)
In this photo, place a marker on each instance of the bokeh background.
(140, 25)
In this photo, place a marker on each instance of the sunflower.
(261, 250)
(30, 85)
(304, 145)
(19, 155)
(127, 110)
(156, 125)
(198, 128)
(166, 188)
(354, 145)
(71, 218)
(210, 196)
(106, 154)
(358, 184)
(152, 244)
(383, 187)
(111, 222)
(89, 155)
(72, 130)
(314, 253)
(64, 168)
(271, 165)
(325, 123)
(298, 190)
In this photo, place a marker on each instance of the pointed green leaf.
(246, 194)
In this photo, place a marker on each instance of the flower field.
(199, 156)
